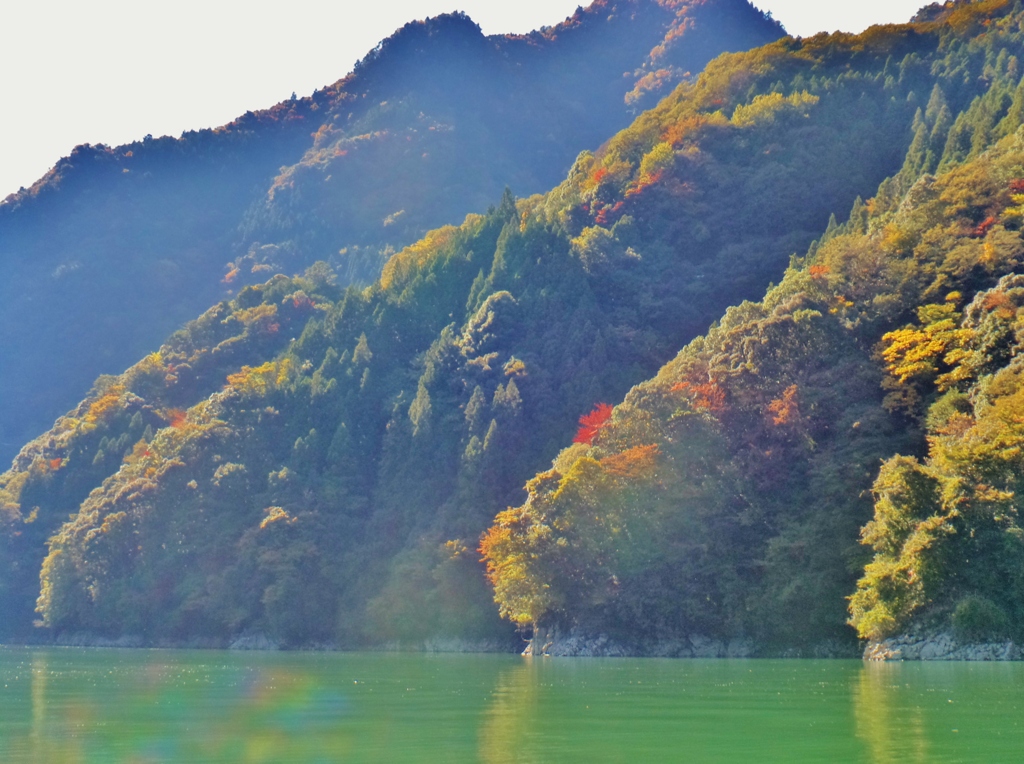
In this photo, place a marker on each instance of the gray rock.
(739, 648)
(458, 645)
(939, 646)
(703, 647)
(930, 651)
(254, 642)
(85, 639)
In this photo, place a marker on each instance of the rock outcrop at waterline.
(941, 646)
(577, 643)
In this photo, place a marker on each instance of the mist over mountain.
(117, 247)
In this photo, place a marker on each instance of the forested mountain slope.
(117, 247)
(725, 497)
(335, 488)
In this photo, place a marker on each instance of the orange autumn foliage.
(707, 396)
(785, 410)
(999, 302)
(591, 424)
(175, 418)
(632, 463)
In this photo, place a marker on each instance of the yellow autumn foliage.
(413, 257)
(103, 406)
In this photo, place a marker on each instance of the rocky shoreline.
(576, 643)
(938, 646)
(941, 646)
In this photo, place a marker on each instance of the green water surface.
(94, 705)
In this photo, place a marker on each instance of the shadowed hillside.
(117, 247)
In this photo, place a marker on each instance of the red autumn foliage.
(1017, 186)
(606, 211)
(644, 184)
(302, 302)
(55, 464)
(819, 271)
(983, 228)
(230, 276)
(591, 424)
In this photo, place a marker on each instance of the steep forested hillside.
(366, 438)
(725, 497)
(117, 247)
(318, 463)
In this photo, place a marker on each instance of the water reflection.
(940, 712)
(505, 731)
(84, 706)
(609, 710)
(38, 735)
(894, 732)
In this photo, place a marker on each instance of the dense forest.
(117, 247)
(326, 463)
(726, 496)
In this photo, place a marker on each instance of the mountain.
(317, 462)
(836, 457)
(117, 247)
(726, 496)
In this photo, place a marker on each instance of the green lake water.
(82, 705)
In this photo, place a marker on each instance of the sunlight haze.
(112, 71)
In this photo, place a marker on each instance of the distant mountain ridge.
(116, 247)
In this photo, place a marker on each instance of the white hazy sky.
(111, 71)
